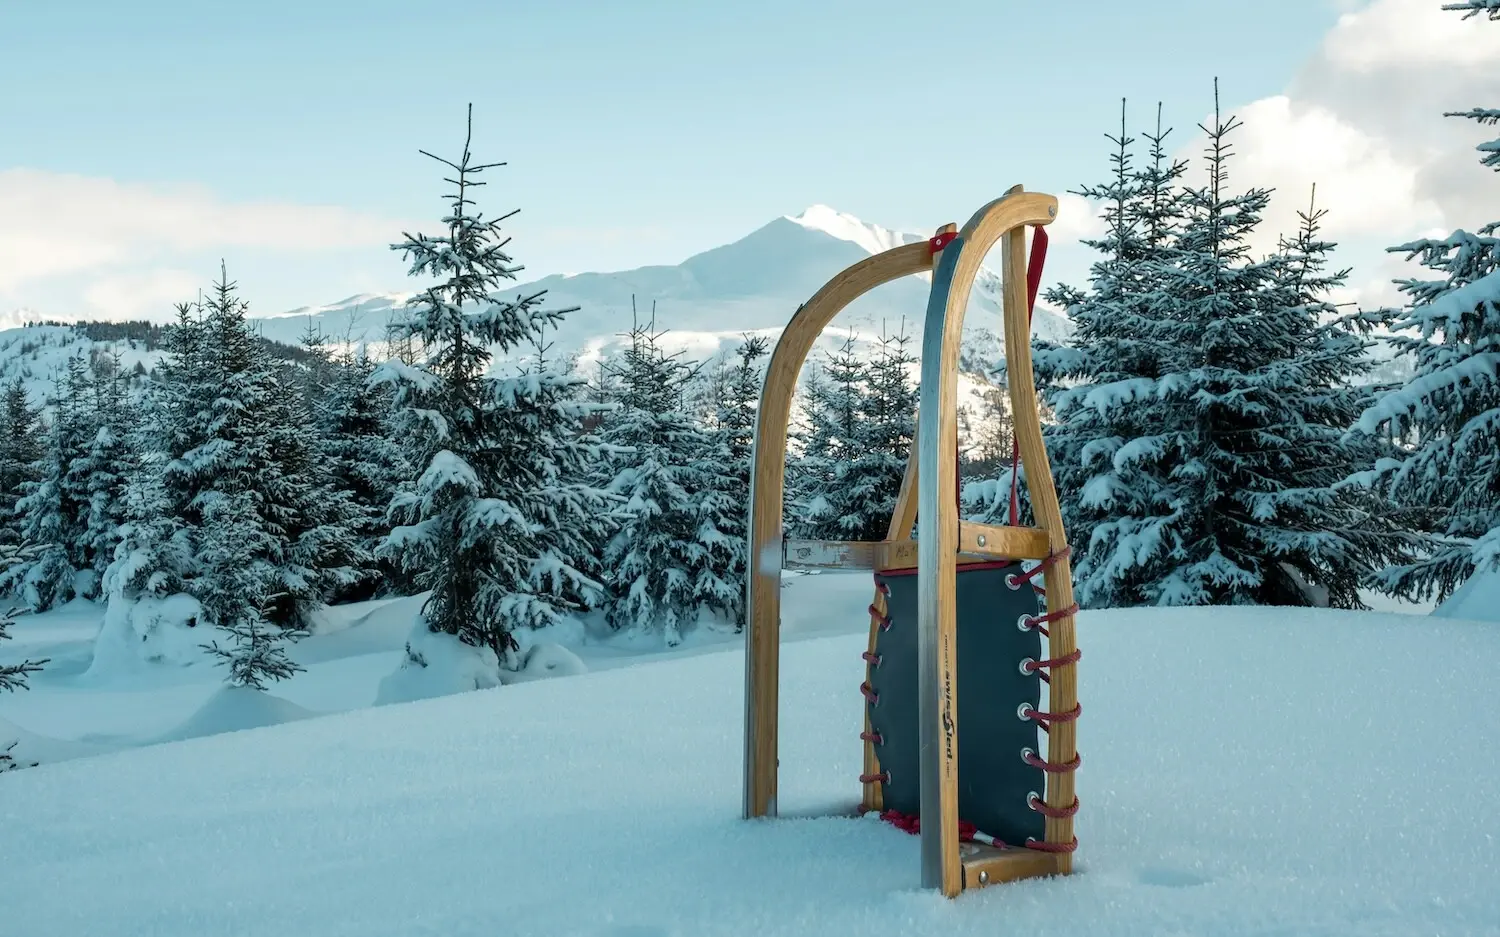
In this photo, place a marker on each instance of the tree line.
(1214, 430)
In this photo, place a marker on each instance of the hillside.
(1234, 783)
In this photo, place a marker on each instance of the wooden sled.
(922, 577)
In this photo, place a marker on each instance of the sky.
(141, 143)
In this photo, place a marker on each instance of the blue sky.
(636, 132)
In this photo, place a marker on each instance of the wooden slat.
(1062, 693)
(986, 865)
(938, 536)
(997, 542)
(832, 554)
(767, 480)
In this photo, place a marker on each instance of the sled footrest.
(986, 865)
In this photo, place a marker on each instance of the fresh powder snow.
(1247, 771)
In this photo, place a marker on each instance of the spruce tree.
(885, 430)
(833, 398)
(670, 558)
(231, 503)
(104, 470)
(485, 523)
(53, 508)
(1447, 416)
(367, 463)
(20, 456)
(1111, 470)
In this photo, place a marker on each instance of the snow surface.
(1246, 772)
(1478, 599)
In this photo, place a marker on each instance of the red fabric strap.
(1034, 266)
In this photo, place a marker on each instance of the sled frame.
(929, 498)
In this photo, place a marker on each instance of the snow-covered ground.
(1246, 772)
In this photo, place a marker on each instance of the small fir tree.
(475, 526)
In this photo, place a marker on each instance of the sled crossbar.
(976, 543)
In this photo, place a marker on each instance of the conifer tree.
(20, 456)
(104, 470)
(367, 463)
(671, 557)
(830, 440)
(1447, 416)
(735, 441)
(53, 508)
(1103, 444)
(231, 503)
(885, 430)
(479, 525)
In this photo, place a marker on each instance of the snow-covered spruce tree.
(884, 433)
(667, 562)
(829, 438)
(1317, 540)
(226, 443)
(238, 589)
(52, 510)
(1447, 416)
(104, 470)
(1112, 474)
(21, 440)
(735, 432)
(367, 462)
(1249, 408)
(486, 522)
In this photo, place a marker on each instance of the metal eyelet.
(1024, 711)
(1026, 622)
(1027, 667)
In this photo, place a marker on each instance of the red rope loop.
(874, 738)
(1016, 580)
(872, 659)
(869, 693)
(880, 617)
(1056, 813)
(1033, 666)
(883, 777)
(1046, 720)
(1051, 767)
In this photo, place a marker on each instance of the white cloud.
(142, 294)
(1395, 33)
(53, 224)
(1077, 218)
(1364, 121)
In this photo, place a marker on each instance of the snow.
(1478, 599)
(871, 237)
(1248, 771)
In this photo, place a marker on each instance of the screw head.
(984, 877)
(983, 540)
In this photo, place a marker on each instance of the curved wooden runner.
(928, 496)
(767, 491)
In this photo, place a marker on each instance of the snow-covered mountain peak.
(846, 227)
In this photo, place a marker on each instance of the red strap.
(1033, 286)
(939, 241)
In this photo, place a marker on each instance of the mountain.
(706, 302)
